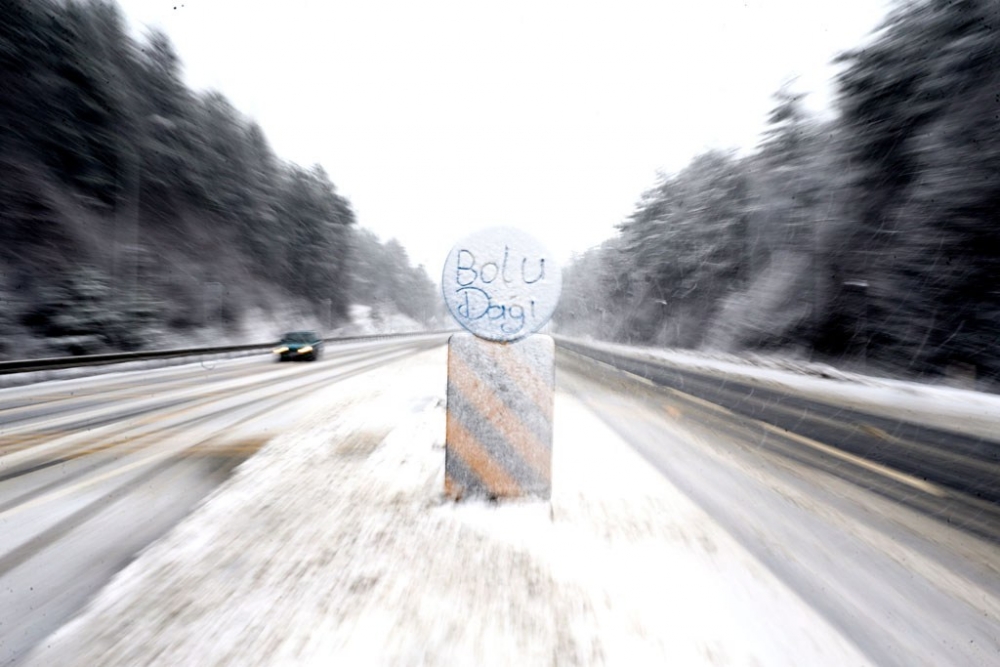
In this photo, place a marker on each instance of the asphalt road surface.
(908, 569)
(94, 469)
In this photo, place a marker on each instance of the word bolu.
(463, 270)
(476, 302)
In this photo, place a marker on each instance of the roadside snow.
(369, 321)
(962, 410)
(334, 545)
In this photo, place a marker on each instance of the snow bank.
(334, 545)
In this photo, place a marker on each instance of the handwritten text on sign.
(500, 284)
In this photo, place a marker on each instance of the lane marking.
(909, 480)
(65, 491)
(916, 447)
(639, 378)
(673, 411)
(916, 482)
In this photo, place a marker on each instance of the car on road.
(299, 345)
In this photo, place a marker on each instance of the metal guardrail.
(55, 363)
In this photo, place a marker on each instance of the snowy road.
(679, 532)
(896, 564)
(939, 466)
(92, 470)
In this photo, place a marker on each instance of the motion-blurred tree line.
(872, 236)
(132, 206)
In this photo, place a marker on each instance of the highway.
(957, 475)
(908, 569)
(94, 469)
(889, 530)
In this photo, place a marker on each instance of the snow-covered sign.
(500, 284)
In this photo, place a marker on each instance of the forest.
(868, 238)
(136, 212)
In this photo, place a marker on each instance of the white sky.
(440, 118)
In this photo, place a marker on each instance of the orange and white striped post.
(499, 432)
(502, 286)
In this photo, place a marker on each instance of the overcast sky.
(440, 118)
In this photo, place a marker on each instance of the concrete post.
(499, 430)
(502, 287)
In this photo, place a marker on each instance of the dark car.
(305, 345)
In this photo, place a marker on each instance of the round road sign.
(500, 284)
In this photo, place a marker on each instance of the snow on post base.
(498, 442)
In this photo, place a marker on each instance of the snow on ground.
(965, 411)
(334, 545)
